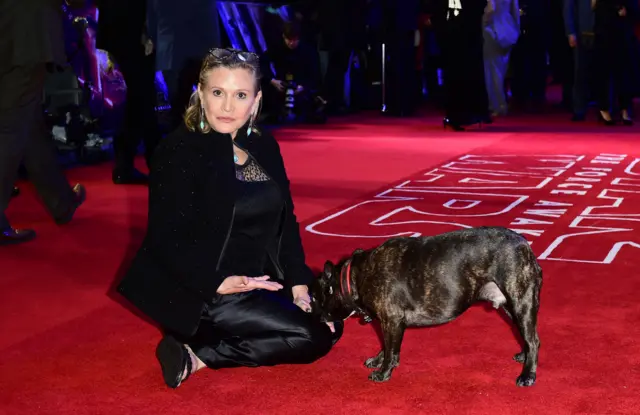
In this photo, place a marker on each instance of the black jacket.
(191, 208)
(31, 33)
(121, 26)
(612, 30)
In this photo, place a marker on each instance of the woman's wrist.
(299, 290)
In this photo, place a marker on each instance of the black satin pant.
(258, 328)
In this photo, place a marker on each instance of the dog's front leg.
(392, 332)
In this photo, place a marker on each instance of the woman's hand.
(301, 297)
(240, 284)
(279, 85)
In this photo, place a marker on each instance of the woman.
(222, 269)
(458, 26)
(501, 23)
(614, 49)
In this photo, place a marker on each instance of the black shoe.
(10, 236)
(627, 121)
(174, 359)
(446, 122)
(80, 195)
(604, 121)
(133, 176)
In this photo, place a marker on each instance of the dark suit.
(529, 56)
(121, 25)
(402, 87)
(183, 32)
(31, 37)
(614, 50)
(579, 20)
(177, 271)
(460, 38)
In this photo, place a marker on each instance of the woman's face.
(229, 99)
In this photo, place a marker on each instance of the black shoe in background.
(10, 236)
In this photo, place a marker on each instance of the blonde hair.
(194, 117)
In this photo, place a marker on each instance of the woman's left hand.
(301, 297)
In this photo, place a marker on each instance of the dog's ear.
(328, 269)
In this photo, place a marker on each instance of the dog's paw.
(519, 357)
(526, 380)
(379, 376)
(373, 362)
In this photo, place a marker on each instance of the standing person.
(222, 268)
(458, 24)
(579, 26)
(402, 87)
(501, 32)
(32, 39)
(122, 33)
(529, 55)
(336, 41)
(182, 32)
(614, 52)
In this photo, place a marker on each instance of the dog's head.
(327, 298)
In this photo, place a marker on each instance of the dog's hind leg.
(389, 356)
(523, 302)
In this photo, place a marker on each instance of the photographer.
(291, 77)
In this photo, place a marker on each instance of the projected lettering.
(571, 208)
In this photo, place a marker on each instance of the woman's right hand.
(239, 284)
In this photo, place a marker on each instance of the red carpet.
(68, 347)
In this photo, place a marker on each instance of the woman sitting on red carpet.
(222, 268)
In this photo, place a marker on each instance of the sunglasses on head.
(241, 55)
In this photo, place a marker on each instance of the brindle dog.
(426, 281)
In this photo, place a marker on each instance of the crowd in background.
(474, 60)
(478, 60)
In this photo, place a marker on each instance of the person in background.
(430, 55)
(292, 76)
(182, 33)
(501, 31)
(529, 56)
(560, 56)
(402, 86)
(458, 24)
(579, 26)
(122, 32)
(614, 49)
(31, 44)
(222, 268)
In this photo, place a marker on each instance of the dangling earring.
(201, 119)
(250, 129)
